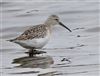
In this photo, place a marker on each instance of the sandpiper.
(37, 36)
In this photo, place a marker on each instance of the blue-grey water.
(80, 47)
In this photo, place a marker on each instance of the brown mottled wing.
(38, 31)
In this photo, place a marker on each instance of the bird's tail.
(11, 40)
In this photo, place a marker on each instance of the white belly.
(34, 43)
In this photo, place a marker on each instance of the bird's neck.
(48, 24)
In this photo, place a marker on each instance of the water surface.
(80, 47)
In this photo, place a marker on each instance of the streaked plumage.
(38, 31)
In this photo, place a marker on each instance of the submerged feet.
(33, 52)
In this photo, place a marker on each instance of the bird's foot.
(34, 52)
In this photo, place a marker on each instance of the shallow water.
(68, 54)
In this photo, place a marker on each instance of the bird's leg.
(31, 52)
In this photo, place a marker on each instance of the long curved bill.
(64, 26)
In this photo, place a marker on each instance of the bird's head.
(54, 20)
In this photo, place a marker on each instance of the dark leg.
(31, 53)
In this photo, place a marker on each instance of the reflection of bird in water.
(38, 36)
(34, 62)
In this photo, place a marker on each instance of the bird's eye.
(56, 19)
